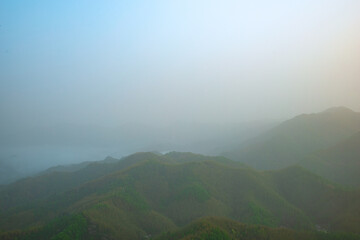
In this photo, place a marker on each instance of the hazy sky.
(156, 62)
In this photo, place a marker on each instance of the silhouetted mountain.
(293, 140)
(146, 194)
(340, 163)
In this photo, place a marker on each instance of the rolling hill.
(293, 140)
(148, 194)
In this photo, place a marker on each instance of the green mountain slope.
(155, 193)
(226, 229)
(340, 163)
(183, 157)
(76, 227)
(293, 140)
(56, 182)
(63, 178)
(316, 197)
(77, 166)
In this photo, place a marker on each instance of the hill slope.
(293, 140)
(340, 163)
(226, 229)
(63, 178)
(155, 193)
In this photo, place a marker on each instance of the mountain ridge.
(152, 194)
(291, 141)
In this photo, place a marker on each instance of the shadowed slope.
(340, 163)
(291, 141)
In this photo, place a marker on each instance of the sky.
(110, 63)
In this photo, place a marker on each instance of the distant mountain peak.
(339, 109)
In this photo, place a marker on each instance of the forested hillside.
(151, 194)
(339, 163)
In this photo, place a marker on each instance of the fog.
(83, 80)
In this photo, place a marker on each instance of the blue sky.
(156, 62)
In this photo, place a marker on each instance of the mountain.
(55, 182)
(293, 140)
(340, 163)
(146, 194)
(77, 166)
(184, 157)
(7, 173)
(217, 228)
(226, 229)
(59, 179)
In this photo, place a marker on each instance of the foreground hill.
(63, 178)
(340, 163)
(226, 229)
(152, 193)
(209, 228)
(293, 140)
(212, 228)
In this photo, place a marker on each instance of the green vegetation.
(147, 194)
(260, 215)
(339, 163)
(133, 198)
(63, 228)
(220, 228)
(195, 191)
